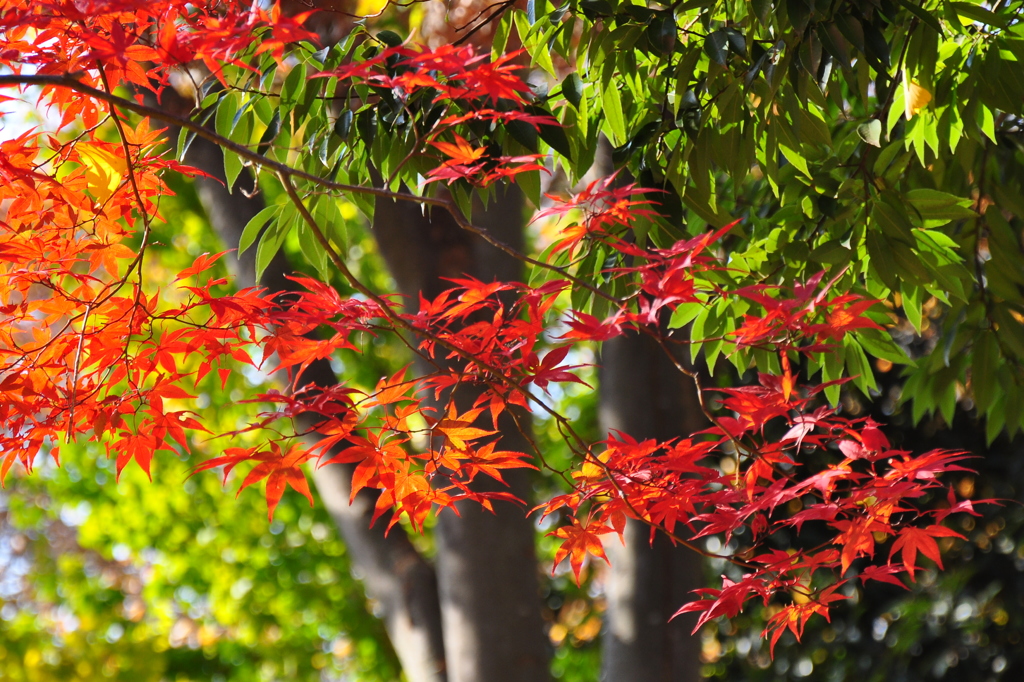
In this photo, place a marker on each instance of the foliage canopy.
(801, 187)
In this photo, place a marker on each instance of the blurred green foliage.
(176, 579)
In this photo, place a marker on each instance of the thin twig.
(281, 169)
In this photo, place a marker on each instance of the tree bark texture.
(486, 563)
(644, 395)
(392, 571)
(485, 587)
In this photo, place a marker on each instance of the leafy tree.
(788, 189)
(180, 581)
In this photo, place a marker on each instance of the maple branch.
(398, 321)
(394, 573)
(75, 375)
(284, 170)
(146, 218)
(499, 9)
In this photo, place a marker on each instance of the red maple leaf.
(912, 540)
(579, 541)
(795, 616)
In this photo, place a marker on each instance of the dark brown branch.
(395, 576)
(286, 171)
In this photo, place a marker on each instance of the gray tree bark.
(392, 571)
(477, 617)
(644, 395)
(486, 563)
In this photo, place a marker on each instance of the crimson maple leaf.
(461, 152)
(280, 470)
(843, 318)
(458, 428)
(912, 540)
(795, 616)
(727, 601)
(579, 541)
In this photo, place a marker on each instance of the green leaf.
(978, 13)
(924, 15)
(294, 87)
(852, 29)
(883, 265)
(697, 332)
(312, 251)
(893, 221)
(270, 134)
(986, 122)
(985, 359)
(553, 135)
(911, 296)
(886, 156)
(871, 132)
(875, 46)
(1011, 332)
(831, 370)
(947, 402)
(716, 46)
(613, 113)
(661, 32)
(255, 226)
(572, 89)
(366, 126)
(935, 205)
(343, 124)
(523, 133)
(501, 34)
(270, 243)
(799, 14)
(531, 185)
(762, 10)
(232, 167)
(882, 346)
(390, 38)
(831, 252)
(995, 420)
(685, 314)
(858, 366)
(225, 118)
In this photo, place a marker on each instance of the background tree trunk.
(393, 573)
(485, 587)
(486, 563)
(644, 395)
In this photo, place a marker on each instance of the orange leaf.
(579, 541)
(462, 152)
(912, 540)
(459, 429)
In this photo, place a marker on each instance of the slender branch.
(284, 170)
(75, 374)
(501, 8)
(899, 75)
(399, 322)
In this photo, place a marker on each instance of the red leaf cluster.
(86, 353)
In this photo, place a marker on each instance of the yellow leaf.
(365, 8)
(915, 98)
(104, 170)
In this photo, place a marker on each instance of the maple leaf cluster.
(86, 353)
(469, 87)
(477, 165)
(454, 73)
(137, 44)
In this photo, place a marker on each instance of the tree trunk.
(485, 591)
(486, 563)
(644, 395)
(392, 571)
